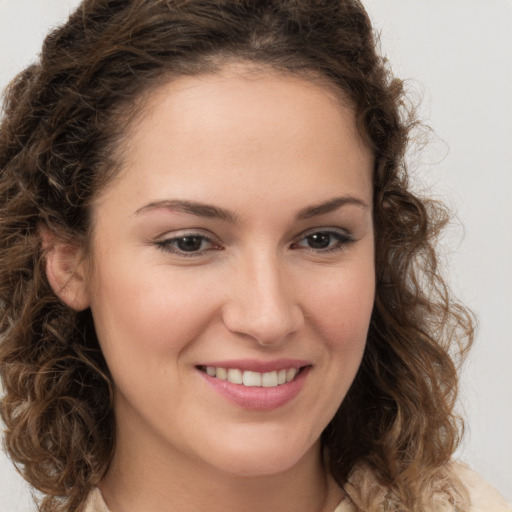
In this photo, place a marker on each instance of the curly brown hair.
(63, 119)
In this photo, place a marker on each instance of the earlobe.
(65, 270)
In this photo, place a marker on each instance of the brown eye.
(324, 240)
(319, 240)
(187, 245)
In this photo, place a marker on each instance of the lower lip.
(258, 398)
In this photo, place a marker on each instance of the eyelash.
(167, 245)
(341, 238)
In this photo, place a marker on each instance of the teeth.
(269, 380)
(290, 374)
(235, 376)
(253, 379)
(221, 373)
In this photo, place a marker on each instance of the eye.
(189, 244)
(325, 240)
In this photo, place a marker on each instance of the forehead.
(245, 127)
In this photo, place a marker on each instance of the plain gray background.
(458, 57)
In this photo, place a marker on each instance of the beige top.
(483, 497)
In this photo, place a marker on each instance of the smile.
(251, 378)
(256, 385)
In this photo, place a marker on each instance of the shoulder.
(455, 488)
(482, 495)
(95, 502)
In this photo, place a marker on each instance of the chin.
(244, 468)
(251, 458)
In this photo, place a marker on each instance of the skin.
(263, 147)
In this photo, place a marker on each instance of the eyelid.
(345, 238)
(325, 229)
(164, 242)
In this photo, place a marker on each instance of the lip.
(253, 365)
(258, 398)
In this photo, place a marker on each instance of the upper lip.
(258, 365)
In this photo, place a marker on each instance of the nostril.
(263, 309)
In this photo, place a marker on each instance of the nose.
(262, 303)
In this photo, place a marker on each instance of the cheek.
(155, 312)
(342, 307)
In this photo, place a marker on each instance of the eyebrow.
(214, 212)
(192, 207)
(329, 206)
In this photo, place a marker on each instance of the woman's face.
(232, 275)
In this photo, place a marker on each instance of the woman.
(218, 291)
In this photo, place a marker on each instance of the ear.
(65, 269)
